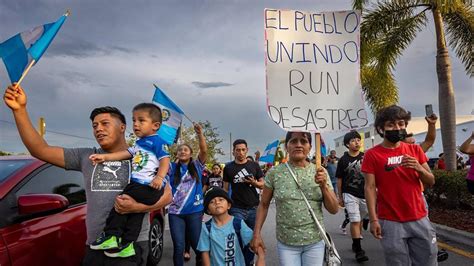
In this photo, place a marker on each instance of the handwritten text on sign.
(312, 63)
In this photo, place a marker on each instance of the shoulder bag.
(331, 256)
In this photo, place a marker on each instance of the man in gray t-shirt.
(103, 182)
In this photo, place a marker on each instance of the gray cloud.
(111, 54)
(123, 49)
(206, 85)
(78, 48)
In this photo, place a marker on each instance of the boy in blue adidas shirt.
(223, 237)
(150, 166)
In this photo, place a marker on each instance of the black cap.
(213, 192)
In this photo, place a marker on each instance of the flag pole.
(23, 75)
(317, 153)
(188, 119)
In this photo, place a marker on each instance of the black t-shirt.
(244, 195)
(214, 181)
(348, 168)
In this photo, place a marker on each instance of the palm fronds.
(460, 35)
(379, 87)
(385, 32)
(359, 4)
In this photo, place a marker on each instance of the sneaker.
(343, 230)
(442, 255)
(104, 242)
(365, 224)
(360, 256)
(124, 251)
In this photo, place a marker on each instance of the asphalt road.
(343, 244)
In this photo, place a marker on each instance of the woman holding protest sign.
(299, 240)
(186, 209)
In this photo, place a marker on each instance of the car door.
(56, 238)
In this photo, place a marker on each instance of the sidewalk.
(455, 237)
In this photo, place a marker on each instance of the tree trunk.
(447, 108)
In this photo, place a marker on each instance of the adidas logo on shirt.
(230, 250)
(240, 176)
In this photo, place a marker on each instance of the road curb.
(455, 235)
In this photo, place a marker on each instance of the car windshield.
(8, 167)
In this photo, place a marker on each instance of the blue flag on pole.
(18, 51)
(269, 153)
(172, 117)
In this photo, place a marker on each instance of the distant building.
(418, 126)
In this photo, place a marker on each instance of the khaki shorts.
(356, 207)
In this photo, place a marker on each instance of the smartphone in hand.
(429, 110)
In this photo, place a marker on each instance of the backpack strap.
(237, 223)
(208, 226)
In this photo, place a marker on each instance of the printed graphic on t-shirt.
(353, 170)
(230, 251)
(240, 176)
(393, 162)
(198, 200)
(215, 181)
(181, 195)
(110, 176)
(140, 159)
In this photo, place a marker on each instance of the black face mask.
(395, 136)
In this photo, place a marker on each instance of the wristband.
(372, 221)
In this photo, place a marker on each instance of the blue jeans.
(248, 215)
(312, 254)
(180, 226)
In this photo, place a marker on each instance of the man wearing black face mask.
(393, 170)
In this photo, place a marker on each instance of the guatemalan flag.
(172, 117)
(269, 153)
(18, 51)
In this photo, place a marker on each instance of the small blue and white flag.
(269, 153)
(172, 117)
(18, 51)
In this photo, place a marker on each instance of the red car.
(43, 212)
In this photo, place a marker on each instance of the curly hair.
(390, 113)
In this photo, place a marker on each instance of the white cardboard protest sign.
(313, 70)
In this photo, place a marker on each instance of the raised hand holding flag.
(22, 51)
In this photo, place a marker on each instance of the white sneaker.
(343, 230)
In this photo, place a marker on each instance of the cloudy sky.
(206, 55)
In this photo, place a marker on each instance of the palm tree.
(388, 27)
